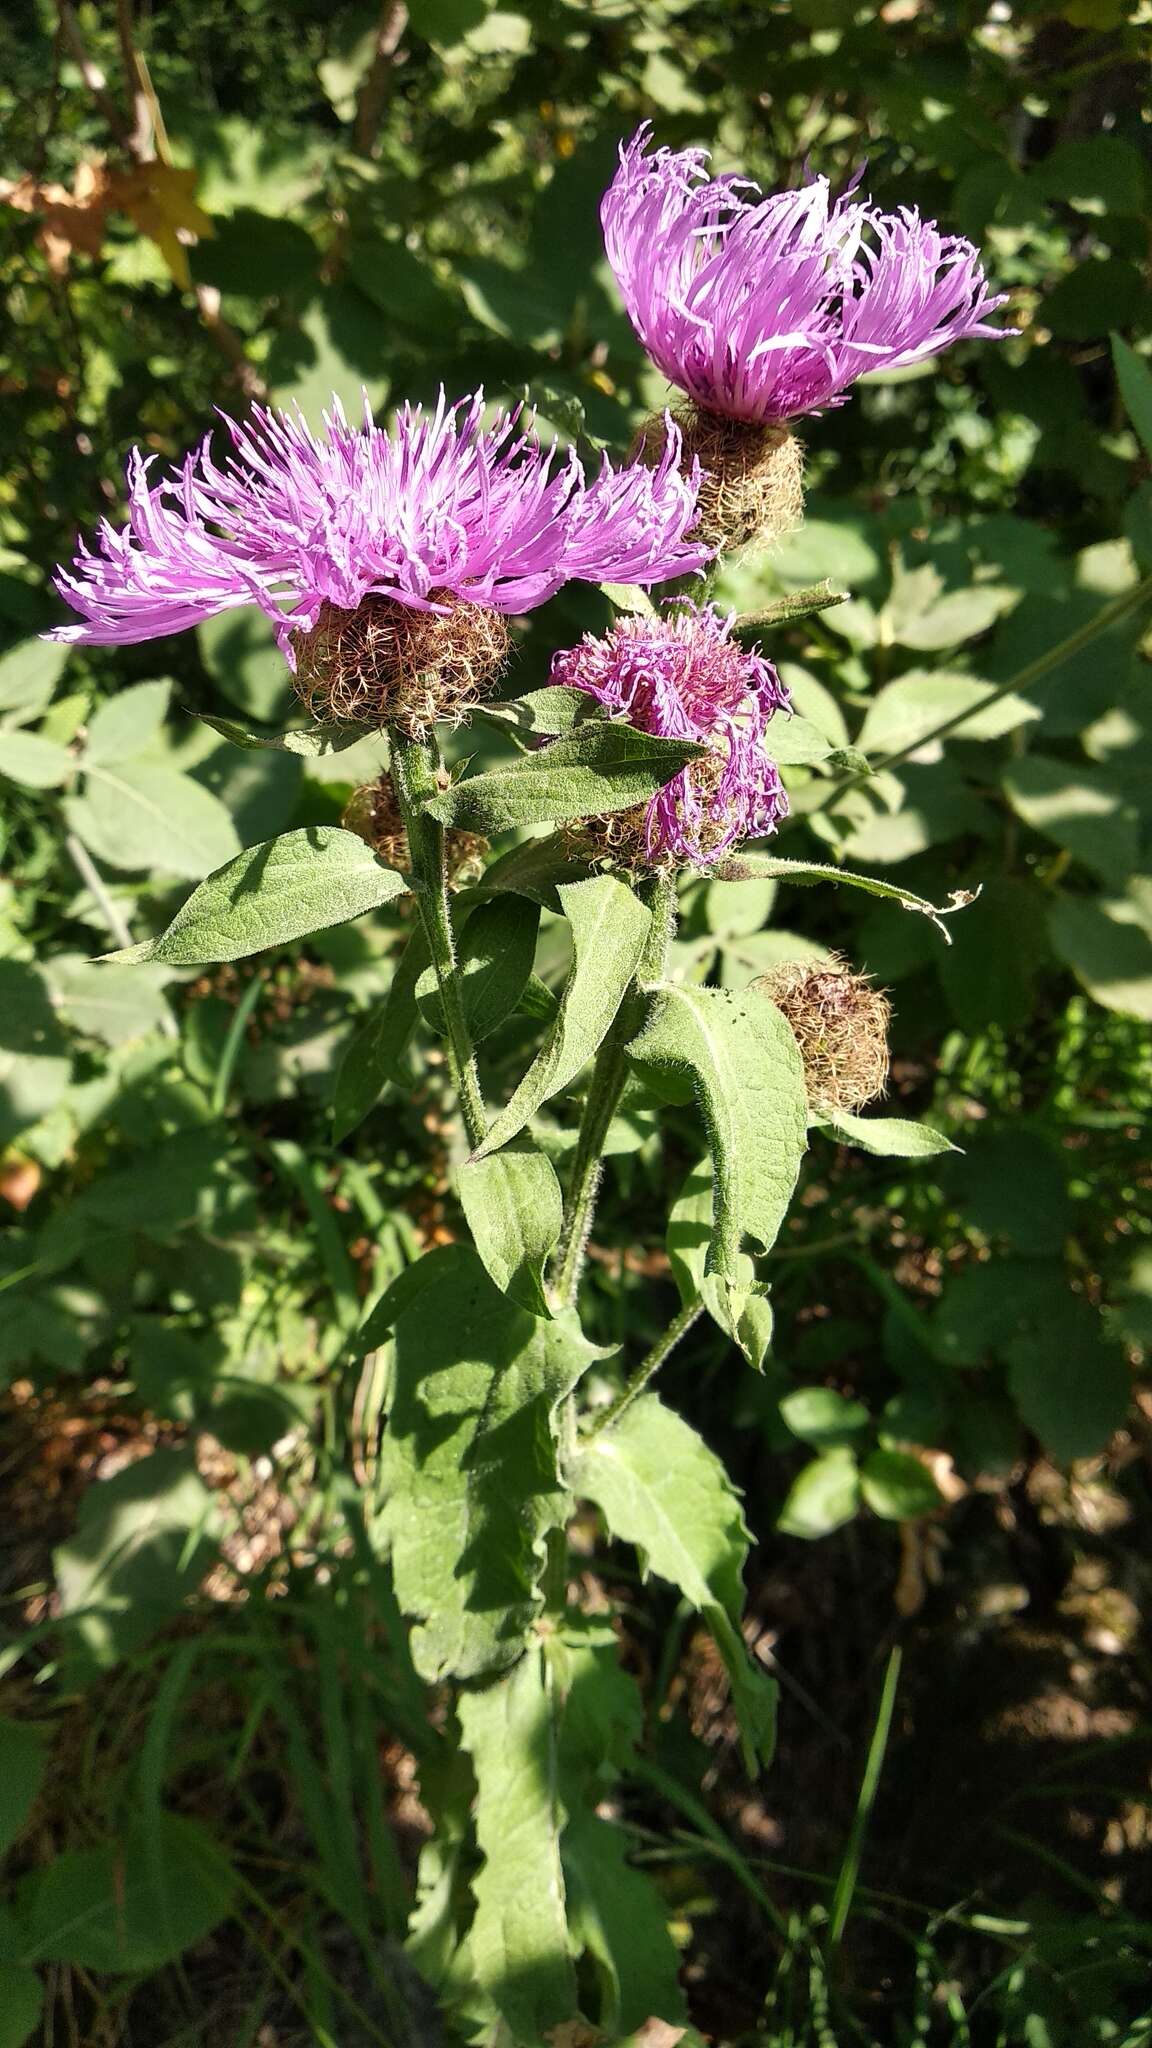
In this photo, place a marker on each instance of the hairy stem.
(677, 1328)
(414, 776)
(604, 1089)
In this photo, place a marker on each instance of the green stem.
(677, 1328)
(604, 1090)
(414, 777)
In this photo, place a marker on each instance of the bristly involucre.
(764, 308)
(682, 675)
(440, 507)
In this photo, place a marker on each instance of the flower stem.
(414, 777)
(604, 1089)
(677, 1328)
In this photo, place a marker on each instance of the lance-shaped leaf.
(609, 927)
(518, 1942)
(282, 890)
(773, 867)
(468, 1463)
(660, 1488)
(495, 953)
(311, 742)
(543, 713)
(741, 1312)
(605, 767)
(536, 869)
(748, 1079)
(515, 1211)
(892, 1137)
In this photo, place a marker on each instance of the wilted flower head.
(682, 675)
(382, 527)
(763, 308)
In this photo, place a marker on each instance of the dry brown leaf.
(70, 221)
(161, 199)
(19, 1181)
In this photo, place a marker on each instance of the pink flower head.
(763, 308)
(682, 675)
(442, 507)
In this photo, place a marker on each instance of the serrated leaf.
(609, 928)
(310, 742)
(518, 1941)
(143, 814)
(748, 1079)
(609, 767)
(891, 1137)
(905, 712)
(822, 1497)
(495, 952)
(304, 881)
(127, 723)
(774, 867)
(514, 1209)
(468, 1463)
(617, 1916)
(742, 1314)
(36, 763)
(543, 713)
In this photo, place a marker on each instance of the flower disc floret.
(682, 675)
(767, 307)
(441, 509)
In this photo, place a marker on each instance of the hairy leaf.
(609, 927)
(748, 1079)
(514, 1209)
(608, 767)
(310, 742)
(534, 869)
(495, 952)
(892, 1137)
(742, 1314)
(469, 1459)
(547, 713)
(302, 882)
(773, 867)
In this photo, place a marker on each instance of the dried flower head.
(385, 664)
(840, 1022)
(682, 675)
(441, 516)
(373, 813)
(752, 486)
(763, 308)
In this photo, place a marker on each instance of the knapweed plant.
(390, 560)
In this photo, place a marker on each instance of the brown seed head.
(840, 1021)
(619, 838)
(373, 813)
(753, 487)
(385, 664)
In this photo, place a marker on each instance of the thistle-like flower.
(386, 560)
(762, 309)
(682, 675)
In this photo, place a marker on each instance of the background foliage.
(220, 1801)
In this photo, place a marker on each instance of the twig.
(139, 143)
(94, 80)
(677, 1328)
(377, 86)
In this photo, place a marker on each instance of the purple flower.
(763, 308)
(440, 509)
(682, 675)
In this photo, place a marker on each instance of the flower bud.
(752, 490)
(373, 813)
(388, 664)
(840, 1021)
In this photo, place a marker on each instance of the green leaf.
(1135, 380)
(989, 971)
(740, 1312)
(748, 1079)
(897, 1487)
(495, 953)
(143, 814)
(239, 651)
(617, 1916)
(892, 1137)
(29, 673)
(629, 597)
(822, 1497)
(114, 1004)
(127, 723)
(21, 2003)
(903, 713)
(34, 1063)
(822, 1417)
(468, 1467)
(609, 928)
(549, 713)
(132, 1903)
(660, 1488)
(311, 742)
(34, 762)
(608, 767)
(141, 1545)
(796, 742)
(514, 1209)
(1082, 809)
(24, 1746)
(742, 867)
(1070, 1384)
(536, 869)
(518, 1941)
(303, 882)
(1108, 948)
